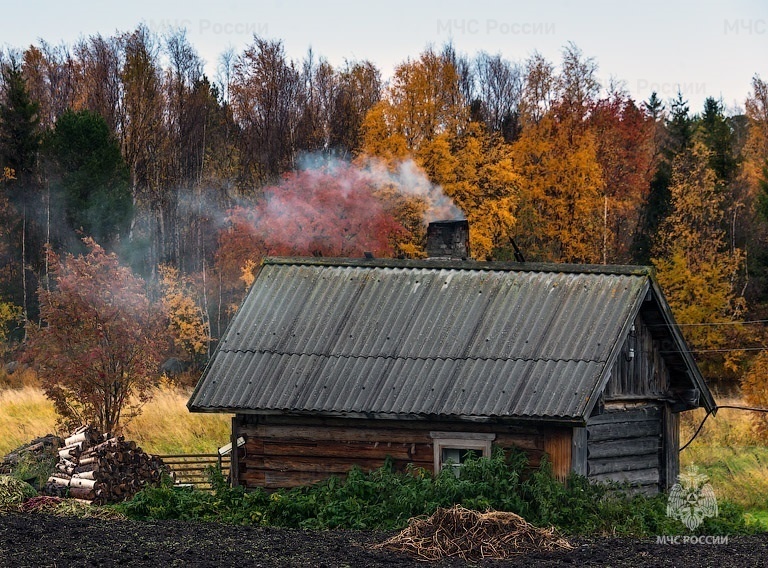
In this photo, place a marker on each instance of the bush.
(13, 492)
(385, 499)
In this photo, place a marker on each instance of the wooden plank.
(579, 451)
(319, 434)
(234, 464)
(622, 448)
(558, 447)
(637, 414)
(629, 463)
(336, 465)
(277, 480)
(330, 449)
(671, 448)
(634, 477)
(532, 442)
(620, 430)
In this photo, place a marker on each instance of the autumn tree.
(187, 323)
(97, 352)
(499, 94)
(264, 92)
(674, 134)
(358, 90)
(697, 269)
(338, 210)
(624, 138)
(560, 215)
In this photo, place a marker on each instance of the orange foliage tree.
(338, 210)
(99, 348)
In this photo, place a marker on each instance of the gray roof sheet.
(422, 338)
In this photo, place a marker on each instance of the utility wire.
(723, 350)
(731, 406)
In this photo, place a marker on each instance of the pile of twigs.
(470, 535)
(13, 492)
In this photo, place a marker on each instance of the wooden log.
(636, 477)
(68, 452)
(627, 463)
(622, 448)
(80, 482)
(58, 481)
(75, 438)
(82, 493)
(619, 430)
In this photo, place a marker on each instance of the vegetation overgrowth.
(164, 427)
(730, 453)
(726, 450)
(385, 499)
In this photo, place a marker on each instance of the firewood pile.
(472, 536)
(102, 469)
(37, 450)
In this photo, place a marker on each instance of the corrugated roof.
(422, 338)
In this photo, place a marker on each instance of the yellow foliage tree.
(561, 193)
(753, 388)
(186, 322)
(696, 268)
(484, 184)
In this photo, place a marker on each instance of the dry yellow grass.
(164, 427)
(25, 413)
(729, 453)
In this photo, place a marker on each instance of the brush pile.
(470, 535)
(102, 469)
(13, 492)
(37, 451)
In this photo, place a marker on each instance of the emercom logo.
(692, 499)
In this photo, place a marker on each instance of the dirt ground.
(38, 541)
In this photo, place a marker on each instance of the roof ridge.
(410, 358)
(469, 265)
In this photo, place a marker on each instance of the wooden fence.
(191, 469)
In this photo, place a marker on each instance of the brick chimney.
(448, 239)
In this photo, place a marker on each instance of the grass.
(164, 427)
(729, 453)
(25, 414)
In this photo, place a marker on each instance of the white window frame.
(479, 442)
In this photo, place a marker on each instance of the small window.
(452, 449)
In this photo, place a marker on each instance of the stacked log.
(102, 469)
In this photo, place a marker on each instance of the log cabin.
(335, 363)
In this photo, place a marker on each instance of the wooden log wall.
(640, 369)
(290, 451)
(624, 444)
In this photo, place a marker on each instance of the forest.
(130, 177)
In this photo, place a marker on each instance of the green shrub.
(385, 499)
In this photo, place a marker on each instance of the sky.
(703, 48)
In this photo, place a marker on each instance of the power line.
(710, 324)
(723, 350)
(717, 407)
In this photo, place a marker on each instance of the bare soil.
(37, 540)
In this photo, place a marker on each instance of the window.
(451, 449)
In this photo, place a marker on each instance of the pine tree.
(19, 145)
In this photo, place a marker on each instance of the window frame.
(477, 441)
